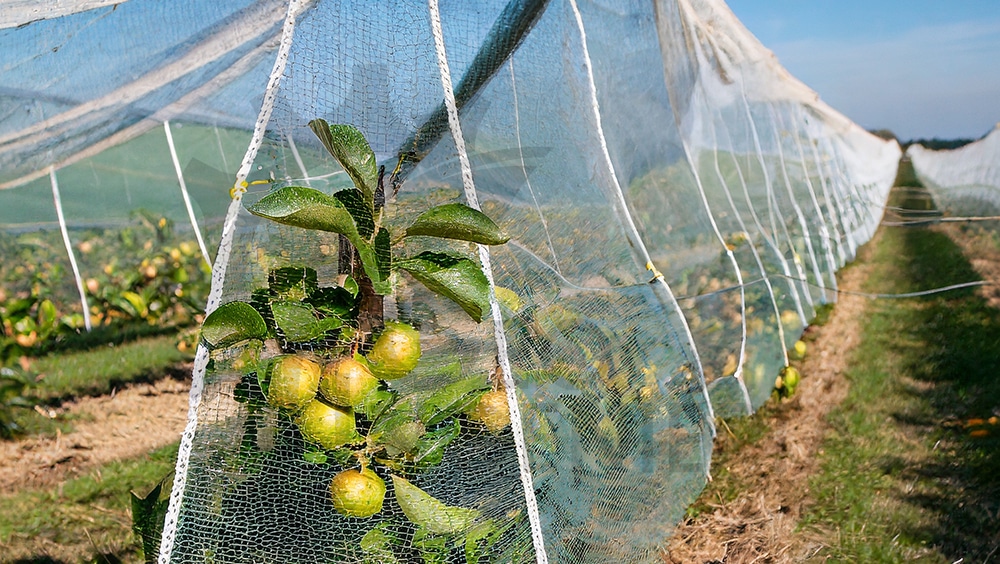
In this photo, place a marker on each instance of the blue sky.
(922, 68)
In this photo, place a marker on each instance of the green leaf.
(332, 301)
(298, 321)
(351, 285)
(377, 262)
(352, 151)
(431, 513)
(451, 399)
(231, 323)
(134, 304)
(481, 531)
(397, 428)
(454, 277)
(458, 221)
(360, 210)
(314, 456)
(299, 206)
(377, 402)
(48, 317)
(292, 283)
(148, 514)
(377, 545)
(383, 253)
(429, 451)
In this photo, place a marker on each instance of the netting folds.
(631, 152)
(964, 181)
(603, 222)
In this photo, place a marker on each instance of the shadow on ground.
(956, 384)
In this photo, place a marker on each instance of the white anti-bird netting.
(677, 207)
(963, 181)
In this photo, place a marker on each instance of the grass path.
(911, 470)
(109, 423)
(892, 456)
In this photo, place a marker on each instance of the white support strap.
(298, 159)
(750, 240)
(630, 228)
(185, 195)
(218, 278)
(69, 246)
(738, 374)
(524, 464)
(773, 238)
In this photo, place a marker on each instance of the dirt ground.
(758, 526)
(119, 426)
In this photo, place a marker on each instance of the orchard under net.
(490, 269)
(963, 181)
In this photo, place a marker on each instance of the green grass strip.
(97, 371)
(904, 477)
(88, 517)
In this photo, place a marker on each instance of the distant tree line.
(934, 144)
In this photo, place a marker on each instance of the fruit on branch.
(492, 411)
(357, 493)
(293, 383)
(396, 351)
(791, 377)
(346, 382)
(327, 425)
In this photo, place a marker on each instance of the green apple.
(792, 377)
(396, 351)
(346, 382)
(357, 493)
(293, 383)
(327, 425)
(493, 411)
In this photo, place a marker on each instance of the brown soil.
(758, 526)
(126, 424)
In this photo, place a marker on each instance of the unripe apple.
(346, 382)
(293, 383)
(493, 411)
(357, 493)
(327, 425)
(396, 351)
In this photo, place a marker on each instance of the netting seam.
(634, 239)
(746, 232)
(524, 167)
(830, 207)
(298, 159)
(824, 231)
(218, 279)
(836, 188)
(799, 215)
(794, 291)
(454, 123)
(738, 374)
(142, 126)
(184, 194)
(247, 26)
(69, 246)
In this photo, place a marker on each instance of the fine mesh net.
(963, 181)
(676, 204)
